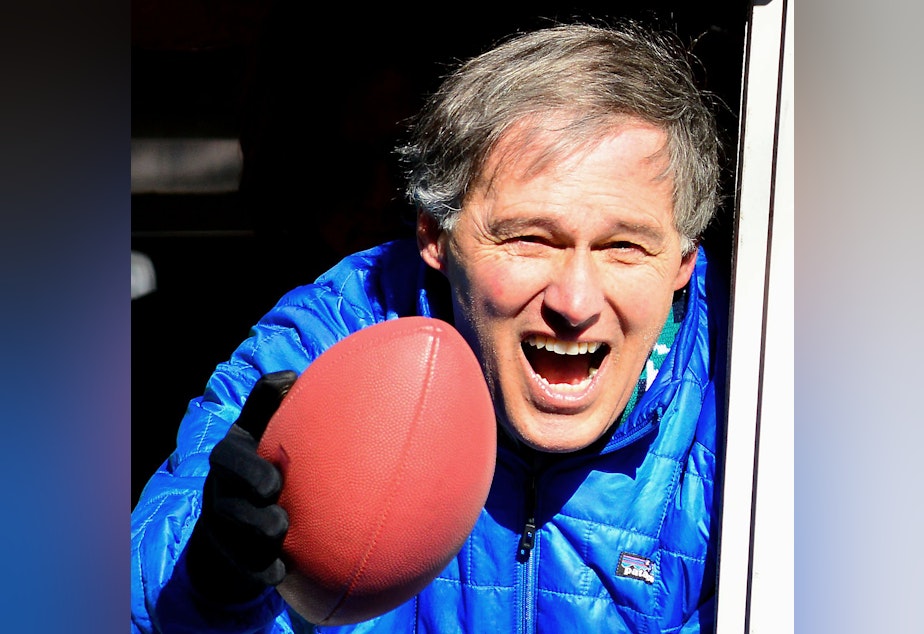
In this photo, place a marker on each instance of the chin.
(557, 437)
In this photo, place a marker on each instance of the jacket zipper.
(524, 550)
(528, 536)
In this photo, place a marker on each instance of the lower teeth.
(571, 387)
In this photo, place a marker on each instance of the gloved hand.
(234, 550)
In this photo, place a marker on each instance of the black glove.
(234, 551)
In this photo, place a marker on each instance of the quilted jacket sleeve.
(303, 324)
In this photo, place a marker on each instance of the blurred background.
(262, 152)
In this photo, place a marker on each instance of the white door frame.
(755, 580)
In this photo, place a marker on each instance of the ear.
(431, 240)
(687, 263)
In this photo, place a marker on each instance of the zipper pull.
(527, 540)
(528, 536)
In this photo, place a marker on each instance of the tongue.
(557, 368)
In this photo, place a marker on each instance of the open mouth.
(564, 365)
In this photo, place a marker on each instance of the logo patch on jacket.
(635, 567)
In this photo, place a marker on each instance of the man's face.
(562, 280)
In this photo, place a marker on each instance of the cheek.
(501, 288)
(641, 302)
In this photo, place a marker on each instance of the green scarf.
(658, 352)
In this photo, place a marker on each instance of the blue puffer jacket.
(625, 538)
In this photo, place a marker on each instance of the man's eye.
(624, 245)
(527, 239)
(528, 245)
(626, 251)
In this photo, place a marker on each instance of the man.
(563, 180)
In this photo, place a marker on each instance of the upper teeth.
(563, 347)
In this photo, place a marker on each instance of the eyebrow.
(512, 226)
(508, 226)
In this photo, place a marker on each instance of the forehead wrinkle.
(533, 144)
(527, 149)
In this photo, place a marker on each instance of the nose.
(575, 293)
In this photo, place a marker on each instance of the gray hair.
(594, 78)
